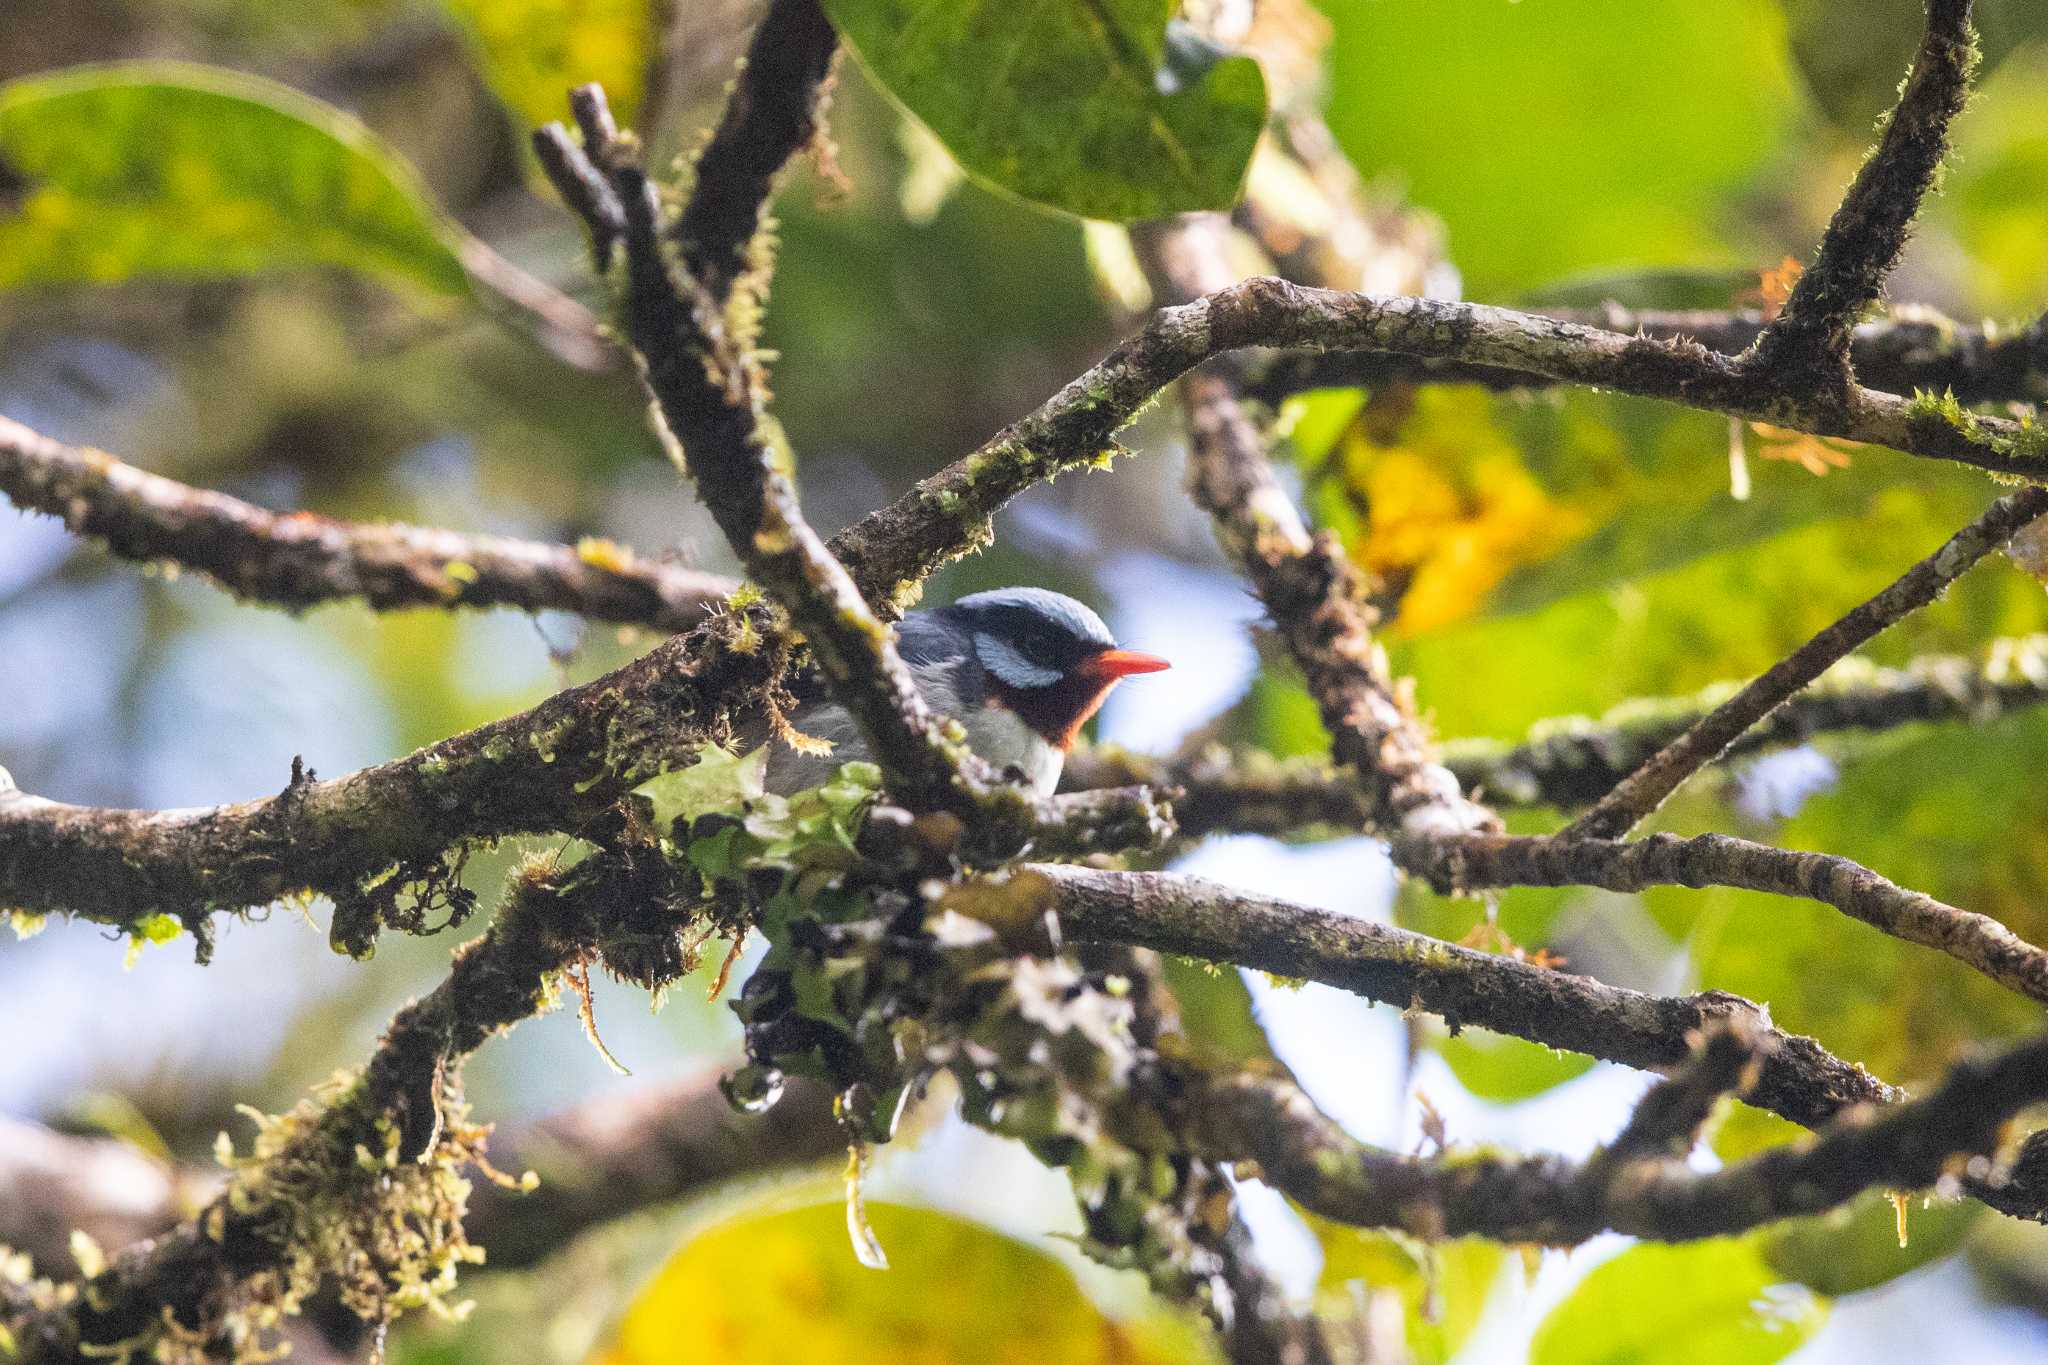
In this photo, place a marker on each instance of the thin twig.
(1644, 790)
(297, 560)
(1807, 344)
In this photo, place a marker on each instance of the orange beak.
(1121, 663)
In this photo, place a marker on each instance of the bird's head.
(1047, 657)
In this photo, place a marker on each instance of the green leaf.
(533, 51)
(1094, 107)
(1856, 1247)
(161, 169)
(1216, 1011)
(1494, 1066)
(719, 782)
(1719, 617)
(1699, 1303)
(1655, 110)
(786, 1287)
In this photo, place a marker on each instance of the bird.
(1022, 669)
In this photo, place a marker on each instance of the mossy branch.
(298, 560)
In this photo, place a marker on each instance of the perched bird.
(1021, 669)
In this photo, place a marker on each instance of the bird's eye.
(1040, 646)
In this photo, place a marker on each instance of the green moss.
(2028, 444)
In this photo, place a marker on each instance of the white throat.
(1001, 736)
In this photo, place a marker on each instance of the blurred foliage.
(534, 50)
(1650, 112)
(1442, 1286)
(162, 169)
(1545, 555)
(1696, 1303)
(1100, 108)
(1858, 1246)
(784, 1287)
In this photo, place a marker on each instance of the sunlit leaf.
(533, 51)
(1095, 107)
(1444, 510)
(1652, 110)
(1696, 1303)
(1496, 1067)
(786, 1287)
(168, 170)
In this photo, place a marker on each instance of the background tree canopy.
(374, 344)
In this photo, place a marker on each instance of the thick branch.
(1901, 354)
(1645, 789)
(1808, 342)
(300, 559)
(1197, 918)
(246, 1247)
(1475, 862)
(596, 1162)
(1912, 1145)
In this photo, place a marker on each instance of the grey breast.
(995, 733)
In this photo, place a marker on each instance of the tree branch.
(1912, 350)
(556, 765)
(1572, 761)
(1473, 862)
(1315, 597)
(1800, 1081)
(1644, 790)
(1807, 344)
(341, 1178)
(300, 559)
(690, 325)
(1911, 1145)
(601, 1160)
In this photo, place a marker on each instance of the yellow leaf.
(785, 1287)
(1449, 509)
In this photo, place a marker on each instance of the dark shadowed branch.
(297, 560)
(1806, 347)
